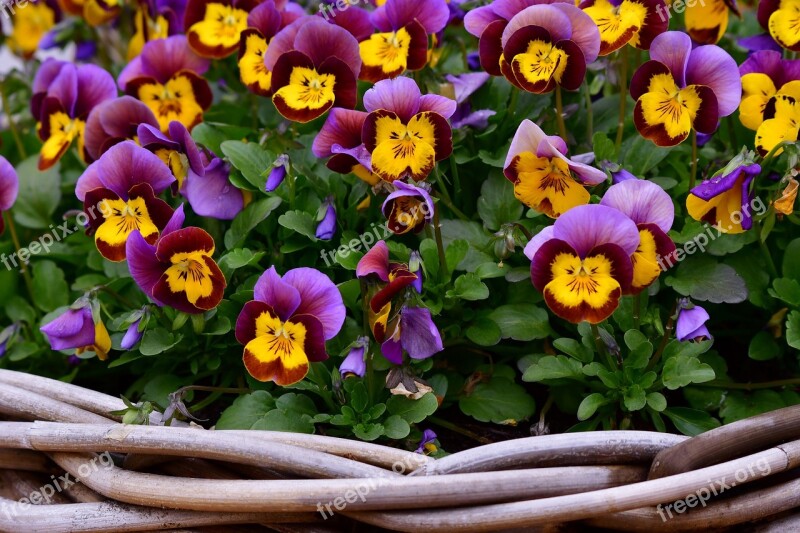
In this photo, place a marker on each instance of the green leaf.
(500, 401)
(239, 258)
(250, 159)
(522, 322)
(19, 310)
(575, 349)
(554, 367)
(704, 279)
(395, 427)
(469, 287)
(430, 256)
(283, 420)
(50, 290)
(413, 411)
(791, 259)
(681, 371)
(455, 253)
(259, 410)
(368, 432)
(763, 347)
(300, 222)
(793, 329)
(248, 219)
(634, 398)
(604, 149)
(359, 397)
(641, 349)
(739, 405)
(590, 405)
(156, 341)
(786, 289)
(484, 332)
(497, 204)
(691, 421)
(656, 401)
(39, 194)
(643, 156)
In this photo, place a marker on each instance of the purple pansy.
(354, 364)
(9, 188)
(691, 324)
(326, 228)
(115, 121)
(465, 85)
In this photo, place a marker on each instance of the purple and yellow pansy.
(544, 178)
(683, 89)
(79, 328)
(622, 22)
(582, 263)
(401, 40)
(30, 25)
(782, 19)
(213, 27)
(408, 208)
(119, 194)
(95, 12)
(178, 270)
(115, 121)
(167, 77)
(339, 140)
(651, 209)
(153, 20)
(405, 132)
(285, 327)
(707, 21)
(314, 66)
(63, 96)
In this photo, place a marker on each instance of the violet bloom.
(340, 141)
(326, 228)
(7, 337)
(582, 263)
(474, 61)
(691, 325)
(120, 195)
(63, 96)
(725, 200)
(132, 336)
(681, 89)
(756, 43)
(618, 173)
(408, 208)
(285, 327)
(79, 328)
(415, 266)
(415, 333)
(465, 85)
(9, 188)
(278, 173)
(354, 364)
(115, 121)
(426, 444)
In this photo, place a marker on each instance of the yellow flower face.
(387, 51)
(541, 62)
(666, 113)
(707, 21)
(723, 211)
(175, 100)
(618, 25)
(278, 351)
(547, 185)
(307, 90)
(190, 274)
(177, 162)
(757, 90)
(402, 149)
(784, 24)
(62, 131)
(217, 35)
(30, 24)
(102, 342)
(784, 121)
(582, 289)
(121, 219)
(252, 70)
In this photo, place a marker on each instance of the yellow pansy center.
(387, 50)
(252, 70)
(618, 25)
(582, 289)
(121, 219)
(221, 26)
(404, 147)
(541, 61)
(63, 130)
(670, 106)
(308, 89)
(546, 185)
(278, 350)
(191, 274)
(175, 100)
(147, 29)
(785, 122)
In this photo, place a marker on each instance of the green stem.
(11, 125)
(623, 97)
(512, 103)
(322, 385)
(444, 194)
(454, 174)
(367, 333)
(601, 348)
(664, 339)
(693, 176)
(12, 229)
(589, 111)
(562, 126)
(773, 270)
(637, 310)
(437, 231)
(457, 429)
(721, 384)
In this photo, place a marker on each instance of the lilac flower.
(415, 266)
(427, 442)
(354, 364)
(135, 330)
(465, 85)
(326, 228)
(278, 172)
(691, 324)
(9, 188)
(79, 328)
(415, 333)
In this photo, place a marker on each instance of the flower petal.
(589, 226)
(274, 290)
(319, 297)
(642, 201)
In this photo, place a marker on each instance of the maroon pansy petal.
(266, 19)
(375, 261)
(160, 212)
(707, 119)
(477, 20)
(640, 83)
(246, 322)
(319, 41)
(345, 88)
(400, 279)
(369, 133)
(356, 21)
(342, 127)
(621, 266)
(186, 240)
(541, 271)
(144, 266)
(575, 71)
(314, 345)
(490, 47)
(418, 46)
(765, 10)
(654, 23)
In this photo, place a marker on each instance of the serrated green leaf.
(522, 322)
(500, 400)
(412, 411)
(469, 287)
(250, 159)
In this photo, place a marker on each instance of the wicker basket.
(61, 450)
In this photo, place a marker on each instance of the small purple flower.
(9, 188)
(427, 442)
(79, 328)
(354, 364)
(416, 333)
(326, 228)
(691, 322)
(465, 85)
(278, 173)
(618, 174)
(134, 333)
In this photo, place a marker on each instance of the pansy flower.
(285, 327)
(155, 19)
(167, 78)
(765, 76)
(488, 23)
(340, 141)
(119, 194)
(95, 12)
(582, 263)
(464, 86)
(724, 200)
(782, 19)
(401, 42)
(178, 270)
(214, 27)
(354, 364)
(63, 96)
(691, 323)
(408, 208)
(114, 121)
(80, 328)
(650, 207)
(314, 66)
(30, 25)
(411, 330)
(9, 188)
(544, 178)
(681, 89)
(547, 45)
(406, 132)
(707, 21)
(621, 22)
